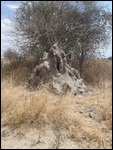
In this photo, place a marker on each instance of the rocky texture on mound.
(55, 70)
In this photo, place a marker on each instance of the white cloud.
(12, 6)
(5, 22)
(108, 53)
(6, 40)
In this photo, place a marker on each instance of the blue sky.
(8, 10)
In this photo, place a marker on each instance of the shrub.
(10, 54)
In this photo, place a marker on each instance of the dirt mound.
(55, 70)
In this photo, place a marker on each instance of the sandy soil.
(34, 139)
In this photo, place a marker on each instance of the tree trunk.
(81, 61)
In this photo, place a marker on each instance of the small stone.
(91, 114)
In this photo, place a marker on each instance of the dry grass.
(94, 129)
(96, 71)
(18, 71)
(39, 108)
(86, 120)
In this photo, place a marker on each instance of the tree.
(93, 32)
(80, 27)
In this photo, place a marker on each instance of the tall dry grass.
(86, 120)
(40, 108)
(17, 71)
(95, 72)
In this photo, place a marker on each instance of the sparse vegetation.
(86, 120)
(58, 138)
(80, 27)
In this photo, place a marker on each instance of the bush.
(10, 54)
(110, 58)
